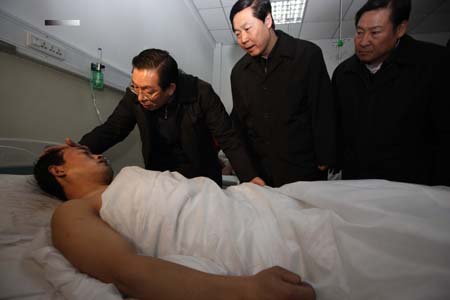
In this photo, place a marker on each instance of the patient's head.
(61, 170)
(46, 181)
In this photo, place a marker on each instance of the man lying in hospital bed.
(366, 247)
(164, 216)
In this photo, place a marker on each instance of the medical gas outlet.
(45, 46)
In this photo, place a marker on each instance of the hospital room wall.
(122, 31)
(226, 56)
(40, 102)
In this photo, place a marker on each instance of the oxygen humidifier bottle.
(97, 75)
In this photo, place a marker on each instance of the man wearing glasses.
(178, 116)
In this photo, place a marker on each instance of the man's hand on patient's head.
(67, 143)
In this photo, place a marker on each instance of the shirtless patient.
(92, 246)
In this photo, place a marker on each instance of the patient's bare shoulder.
(74, 209)
(89, 205)
(71, 217)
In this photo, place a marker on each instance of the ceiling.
(321, 18)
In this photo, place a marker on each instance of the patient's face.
(79, 161)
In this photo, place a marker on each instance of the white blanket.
(369, 239)
(357, 239)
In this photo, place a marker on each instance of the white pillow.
(24, 207)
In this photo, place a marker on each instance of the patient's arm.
(96, 249)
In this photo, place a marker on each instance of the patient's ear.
(57, 171)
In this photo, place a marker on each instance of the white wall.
(227, 56)
(122, 29)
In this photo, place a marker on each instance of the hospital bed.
(25, 210)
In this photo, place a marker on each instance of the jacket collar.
(187, 88)
(400, 55)
(283, 48)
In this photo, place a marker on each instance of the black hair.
(261, 8)
(46, 181)
(400, 10)
(160, 60)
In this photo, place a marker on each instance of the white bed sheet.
(361, 239)
(25, 210)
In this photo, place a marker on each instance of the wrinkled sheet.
(24, 209)
(369, 239)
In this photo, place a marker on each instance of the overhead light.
(288, 11)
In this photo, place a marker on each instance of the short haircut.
(261, 8)
(160, 60)
(46, 181)
(400, 10)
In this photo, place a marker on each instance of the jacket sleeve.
(323, 110)
(221, 127)
(440, 111)
(238, 112)
(116, 128)
(339, 131)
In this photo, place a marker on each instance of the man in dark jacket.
(393, 103)
(178, 116)
(282, 98)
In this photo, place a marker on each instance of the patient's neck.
(85, 190)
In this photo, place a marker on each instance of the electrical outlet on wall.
(45, 46)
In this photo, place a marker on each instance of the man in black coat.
(393, 103)
(282, 99)
(178, 116)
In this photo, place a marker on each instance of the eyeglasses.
(145, 92)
